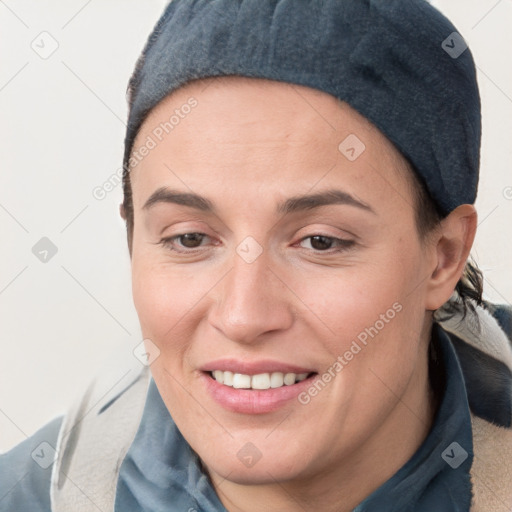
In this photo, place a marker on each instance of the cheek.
(171, 302)
(162, 297)
(161, 294)
(376, 292)
(375, 313)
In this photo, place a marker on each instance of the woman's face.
(302, 263)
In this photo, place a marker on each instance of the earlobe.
(122, 211)
(452, 247)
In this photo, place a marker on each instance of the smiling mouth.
(260, 381)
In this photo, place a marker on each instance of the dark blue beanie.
(400, 63)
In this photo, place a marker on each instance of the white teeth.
(276, 380)
(259, 381)
(241, 381)
(289, 379)
(228, 378)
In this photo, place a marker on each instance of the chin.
(253, 476)
(262, 471)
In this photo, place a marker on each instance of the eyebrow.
(291, 205)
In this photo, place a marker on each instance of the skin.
(298, 302)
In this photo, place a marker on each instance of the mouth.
(260, 381)
(255, 388)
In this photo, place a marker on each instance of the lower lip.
(253, 401)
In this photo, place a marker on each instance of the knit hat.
(399, 63)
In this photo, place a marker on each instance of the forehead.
(248, 133)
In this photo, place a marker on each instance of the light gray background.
(61, 135)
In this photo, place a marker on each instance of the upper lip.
(253, 367)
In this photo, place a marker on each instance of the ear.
(452, 243)
(122, 211)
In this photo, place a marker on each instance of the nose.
(251, 301)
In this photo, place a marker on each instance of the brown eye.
(320, 242)
(323, 243)
(186, 241)
(191, 240)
